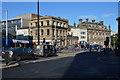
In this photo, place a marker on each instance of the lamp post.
(16, 30)
(55, 35)
(6, 28)
(38, 24)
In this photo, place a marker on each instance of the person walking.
(7, 58)
(73, 46)
(90, 48)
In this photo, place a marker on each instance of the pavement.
(62, 54)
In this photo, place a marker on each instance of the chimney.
(93, 21)
(80, 20)
(87, 20)
(101, 22)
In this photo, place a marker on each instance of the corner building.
(51, 28)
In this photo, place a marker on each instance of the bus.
(17, 43)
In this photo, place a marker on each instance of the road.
(83, 65)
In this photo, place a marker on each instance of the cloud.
(89, 16)
(107, 15)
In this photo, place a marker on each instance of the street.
(82, 65)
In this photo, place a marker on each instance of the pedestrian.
(73, 47)
(7, 58)
(59, 49)
(90, 48)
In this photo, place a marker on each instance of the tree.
(114, 40)
(74, 24)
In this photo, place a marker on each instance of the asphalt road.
(83, 65)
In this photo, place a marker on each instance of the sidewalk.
(64, 53)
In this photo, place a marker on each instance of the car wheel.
(18, 58)
(45, 55)
(33, 57)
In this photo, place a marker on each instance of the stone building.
(51, 28)
(97, 32)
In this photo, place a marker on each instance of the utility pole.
(55, 32)
(6, 28)
(38, 24)
(16, 30)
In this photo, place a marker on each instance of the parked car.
(45, 50)
(106, 49)
(38, 50)
(19, 53)
(76, 47)
(102, 49)
(49, 50)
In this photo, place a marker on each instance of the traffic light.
(107, 39)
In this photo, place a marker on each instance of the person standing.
(90, 48)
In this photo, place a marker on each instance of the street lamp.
(38, 23)
(6, 28)
(55, 32)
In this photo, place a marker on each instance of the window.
(60, 24)
(63, 33)
(36, 32)
(41, 23)
(11, 21)
(96, 33)
(35, 23)
(103, 33)
(53, 32)
(42, 31)
(82, 32)
(57, 23)
(3, 23)
(57, 33)
(47, 23)
(31, 32)
(60, 32)
(64, 25)
(53, 22)
(48, 31)
(82, 37)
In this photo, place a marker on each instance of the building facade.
(51, 28)
(81, 33)
(17, 25)
(71, 39)
(97, 32)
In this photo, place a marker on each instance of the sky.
(73, 11)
